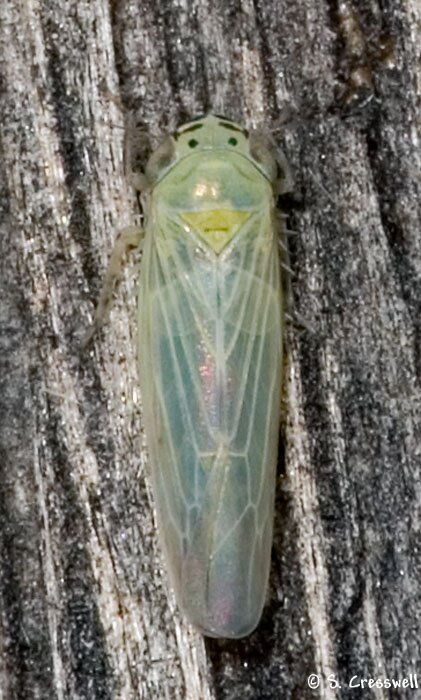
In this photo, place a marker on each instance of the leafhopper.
(210, 355)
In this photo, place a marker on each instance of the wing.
(210, 359)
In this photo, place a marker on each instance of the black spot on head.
(191, 128)
(232, 141)
(193, 143)
(182, 128)
(198, 118)
(231, 127)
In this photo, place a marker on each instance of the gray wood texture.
(85, 610)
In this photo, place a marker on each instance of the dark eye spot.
(193, 143)
(232, 141)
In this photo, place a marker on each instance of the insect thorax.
(214, 193)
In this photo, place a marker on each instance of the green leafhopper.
(210, 354)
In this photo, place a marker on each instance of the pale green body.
(210, 364)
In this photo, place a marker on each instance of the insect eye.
(232, 141)
(193, 143)
(160, 159)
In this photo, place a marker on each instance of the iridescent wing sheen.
(210, 354)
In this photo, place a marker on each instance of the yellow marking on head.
(216, 227)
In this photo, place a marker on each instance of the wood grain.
(85, 611)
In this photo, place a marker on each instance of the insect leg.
(128, 239)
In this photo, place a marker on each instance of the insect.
(210, 355)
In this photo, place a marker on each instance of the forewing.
(210, 353)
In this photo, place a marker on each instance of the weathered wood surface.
(85, 609)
